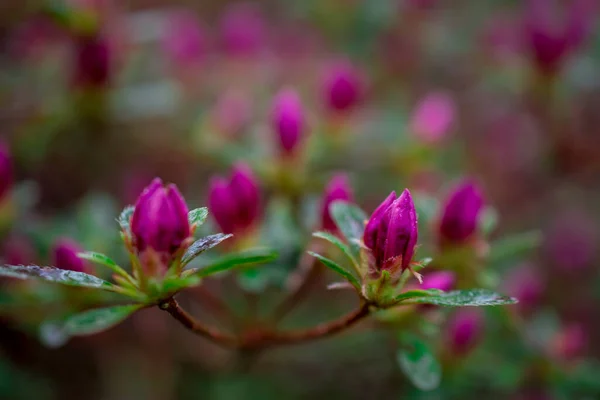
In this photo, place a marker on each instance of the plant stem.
(255, 340)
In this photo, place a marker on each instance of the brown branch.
(263, 339)
(172, 307)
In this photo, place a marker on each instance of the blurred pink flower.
(554, 32)
(526, 284)
(18, 250)
(232, 112)
(464, 330)
(92, 61)
(433, 117)
(184, 39)
(570, 342)
(243, 30)
(342, 86)
(570, 243)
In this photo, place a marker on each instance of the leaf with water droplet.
(201, 245)
(56, 275)
(464, 298)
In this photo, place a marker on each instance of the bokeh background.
(98, 97)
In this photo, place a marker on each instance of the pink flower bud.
(460, 215)
(433, 117)
(160, 220)
(526, 284)
(232, 113)
(464, 330)
(391, 233)
(64, 256)
(18, 250)
(184, 40)
(235, 203)
(342, 87)
(442, 280)
(6, 170)
(552, 34)
(570, 342)
(243, 30)
(92, 61)
(288, 120)
(338, 188)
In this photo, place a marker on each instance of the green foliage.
(236, 260)
(201, 245)
(97, 320)
(463, 298)
(338, 269)
(418, 363)
(198, 216)
(55, 275)
(350, 220)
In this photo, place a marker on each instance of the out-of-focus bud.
(288, 121)
(17, 250)
(460, 215)
(571, 242)
(184, 40)
(160, 222)
(6, 170)
(527, 285)
(552, 35)
(64, 256)
(235, 204)
(442, 280)
(433, 117)
(243, 30)
(464, 330)
(338, 188)
(92, 61)
(391, 234)
(232, 113)
(570, 342)
(342, 87)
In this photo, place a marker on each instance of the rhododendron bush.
(383, 198)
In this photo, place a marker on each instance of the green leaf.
(198, 216)
(411, 294)
(338, 269)
(515, 245)
(102, 259)
(201, 245)
(236, 260)
(97, 320)
(125, 218)
(350, 220)
(461, 298)
(176, 284)
(56, 275)
(339, 244)
(418, 363)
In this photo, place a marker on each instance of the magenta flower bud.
(243, 30)
(433, 117)
(342, 87)
(553, 34)
(232, 112)
(235, 204)
(160, 220)
(6, 170)
(338, 188)
(288, 120)
(460, 215)
(526, 284)
(391, 233)
(464, 330)
(92, 63)
(64, 256)
(17, 250)
(442, 280)
(570, 342)
(184, 40)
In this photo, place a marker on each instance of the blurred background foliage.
(97, 97)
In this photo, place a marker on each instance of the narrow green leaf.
(176, 284)
(102, 259)
(339, 244)
(461, 298)
(338, 269)
(198, 216)
(97, 320)
(201, 245)
(410, 294)
(236, 260)
(125, 218)
(57, 275)
(418, 363)
(351, 222)
(514, 245)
